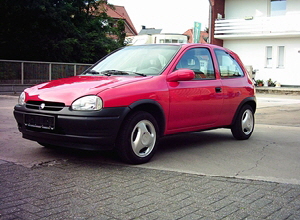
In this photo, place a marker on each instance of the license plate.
(39, 121)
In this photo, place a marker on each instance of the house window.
(278, 7)
(269, 57)
(280, 57)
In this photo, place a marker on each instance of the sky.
(169, 15)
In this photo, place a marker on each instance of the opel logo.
(42, 106)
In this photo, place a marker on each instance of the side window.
(227, 65)
(199, 60)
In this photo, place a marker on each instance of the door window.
(199, 60)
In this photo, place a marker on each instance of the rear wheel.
(137, 140)
(243, 126)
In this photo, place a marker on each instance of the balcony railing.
(287, 25)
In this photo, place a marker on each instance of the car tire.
(46, 145)
(137, 140)
(243, 125)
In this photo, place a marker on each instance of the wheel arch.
(248, 101)
(153, 108)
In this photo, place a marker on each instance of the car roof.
(186, 45)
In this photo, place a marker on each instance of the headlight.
(90, 102)
(21, 100)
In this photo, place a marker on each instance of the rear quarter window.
(228, 66)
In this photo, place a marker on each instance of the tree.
(56, 30)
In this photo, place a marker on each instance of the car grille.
(46, 106)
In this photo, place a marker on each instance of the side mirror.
(181, 75)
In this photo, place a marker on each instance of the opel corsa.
(137, 94)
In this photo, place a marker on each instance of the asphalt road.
(272, 153)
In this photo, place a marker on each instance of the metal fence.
(15, 72)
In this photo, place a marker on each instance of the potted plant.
(259, 82)
(271, 83)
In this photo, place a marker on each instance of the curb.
(278, 90)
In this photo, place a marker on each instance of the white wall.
(257, 8)
(292, 6)
(253, 52)
(240, 8)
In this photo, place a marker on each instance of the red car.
(137, 94)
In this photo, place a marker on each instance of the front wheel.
(138, 136)
(243, 126)
(46, 145)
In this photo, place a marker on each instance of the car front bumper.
(95, 130)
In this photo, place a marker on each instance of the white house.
(264, 33)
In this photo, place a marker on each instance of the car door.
(195, 104)
(234, 81)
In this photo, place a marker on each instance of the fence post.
(75, 69)
(50, 71)
(22, 73)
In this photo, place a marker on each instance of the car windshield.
(140, 60)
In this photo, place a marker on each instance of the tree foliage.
(57, 30)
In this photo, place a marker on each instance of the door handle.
(218, 89)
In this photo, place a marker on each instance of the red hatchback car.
(137, 94)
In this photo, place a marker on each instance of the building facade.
(265, 34)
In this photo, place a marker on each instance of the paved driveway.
(70, 184)
(272, 153)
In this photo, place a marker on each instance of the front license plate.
(39, 121)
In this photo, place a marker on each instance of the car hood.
(68, 89)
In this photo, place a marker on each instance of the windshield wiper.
(113, 72)
(140, 74)
(119, 72)
(94, 72)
